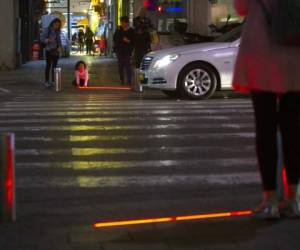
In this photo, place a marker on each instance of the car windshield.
(230, 36)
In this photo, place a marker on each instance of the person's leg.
(87, 47)
(81, 82)
(266, 120)
(54, 65)
(128, 68)
(289, 114)
(90, 46)
(48, 66)
(121, 69)
(138, 59)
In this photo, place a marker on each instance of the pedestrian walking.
(51, 40)
(269, 70)
(81, 40)
(89, 40)
(142, 27)
(123, 46)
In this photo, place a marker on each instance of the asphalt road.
(84, 157)
(88, 156)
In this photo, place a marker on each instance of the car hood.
(188, 49)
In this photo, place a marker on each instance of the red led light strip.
(104, 88)
(285, 183)
(173, 219)
(9, 183)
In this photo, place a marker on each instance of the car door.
(229, 59)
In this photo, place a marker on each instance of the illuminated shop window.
(165, 12)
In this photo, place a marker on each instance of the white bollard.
(7, 178)
(137, 83)
(58, 82)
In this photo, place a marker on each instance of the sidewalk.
(240, 233)
(31, 75)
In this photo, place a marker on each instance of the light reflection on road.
(82, 138)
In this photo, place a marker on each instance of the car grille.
(146, 62)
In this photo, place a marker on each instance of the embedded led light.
(173, 219)
(165, 61)
(105, 88)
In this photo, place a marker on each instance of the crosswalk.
(91, 143)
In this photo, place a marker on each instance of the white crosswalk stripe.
(109, 144)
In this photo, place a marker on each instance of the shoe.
(47, 84)
(291, 209)
(267, 211)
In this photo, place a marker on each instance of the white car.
(192, 71)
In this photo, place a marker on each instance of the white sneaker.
(47, 84)
(267, 210)
(291, 209)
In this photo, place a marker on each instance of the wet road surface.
(89, 156)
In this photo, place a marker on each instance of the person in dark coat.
(142, 26)
(89, 40)
(81, 40)
(123, 47)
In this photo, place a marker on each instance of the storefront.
(164, 13)
(19, 21)
(221, 9)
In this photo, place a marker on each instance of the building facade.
(10, 34)
(19, 21)
(19, 28)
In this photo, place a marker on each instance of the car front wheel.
(197, 81)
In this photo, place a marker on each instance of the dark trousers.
(51, 64)
(89, 46)
(124, 63)
(273, 112)
(81, 83)
(138, 56)
(81, 46)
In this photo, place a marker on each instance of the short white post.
(137, 82)
(58, 82)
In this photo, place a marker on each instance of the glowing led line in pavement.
(104, 88)
(173, 219)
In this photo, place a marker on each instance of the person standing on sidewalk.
(81, 40)
(123, 46)
(270, 72)
(142, 26)
(52, 42)
(89, 40)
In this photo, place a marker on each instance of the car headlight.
(165, 61)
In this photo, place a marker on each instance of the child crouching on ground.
(81, 75)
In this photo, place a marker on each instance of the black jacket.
(120, 46)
